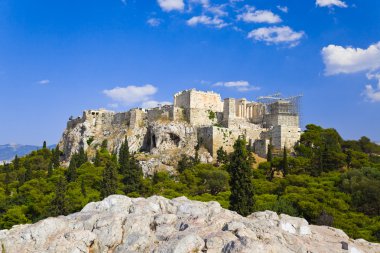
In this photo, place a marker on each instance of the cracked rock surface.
(157, 224)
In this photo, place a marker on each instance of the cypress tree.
(285, 165)
(59, 202)
(124, 157)
(83, 188)
(55, 157)
(71, 173)
(196, 157)
(240, 170)
(16, 163)
(222, 156)
(7, 179)
(109, 182)
(133, 177)
(50, 169)
(270, 159)
(28, 171)
(97, 160)
(81, 157)
(269, 154)
(44, 145)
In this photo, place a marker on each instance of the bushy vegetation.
(326, 180)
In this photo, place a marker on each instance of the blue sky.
(58, 58)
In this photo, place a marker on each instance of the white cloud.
(233, 84)
(45, 81)
(239, 85)
(259, 16)
(171, 5)
(206, 20)
(154, 103)
(204, 3)
(277, 35)
(372, 94)
(284, 9)
(154, 21)
(331, 3)
(346, 60)
(131, 94)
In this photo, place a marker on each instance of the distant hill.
(9, 151)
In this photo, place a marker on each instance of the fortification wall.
(281, 119)
(122, 119)
(286, 136)
(137, 118)
(212, 138)
(160, 113)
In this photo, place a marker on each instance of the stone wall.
(137, 118)
(160, 113)
(212, 138)
(286, 136)
(281, 119)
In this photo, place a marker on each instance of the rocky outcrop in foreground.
(156, 224)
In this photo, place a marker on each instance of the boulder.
(156, 224)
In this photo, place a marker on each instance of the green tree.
(270, 161)
(124, 157)
(240, 170)
(104, 144)
(81, 157)
(71, 173)
(55, 157)
(222, 157)
(97, 160)
(16, 163)
(184, 163)
(7, 179)
(50, 169)
(285, 164)
(133, 177)
(83, 188)
(28, 171)
(109, 182)
(59, 203)
(44, 145)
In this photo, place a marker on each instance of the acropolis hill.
(161, 135)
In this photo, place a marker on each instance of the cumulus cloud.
(171, 5)
(154, 103)
(206, 20)
(277, 35)
(239, 85)
(45, 81)
(346, 60)
(259, 16)
(154, 21)
(331, 3)
(130, 95)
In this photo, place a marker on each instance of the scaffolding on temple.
(277, 104)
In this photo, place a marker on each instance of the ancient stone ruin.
(195, 118)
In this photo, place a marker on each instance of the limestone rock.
(156, 224)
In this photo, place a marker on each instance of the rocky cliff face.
(161, 141)
(156, 224)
